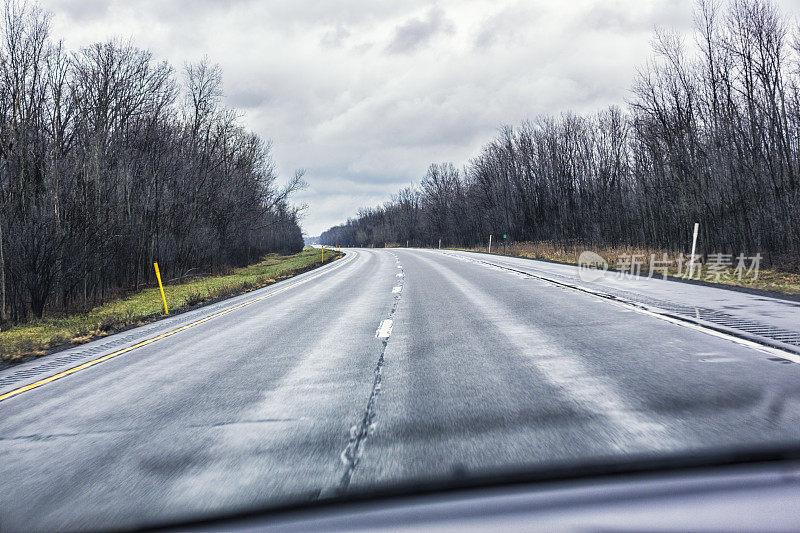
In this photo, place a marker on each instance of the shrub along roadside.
(41, 336)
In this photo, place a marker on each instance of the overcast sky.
(364, 95)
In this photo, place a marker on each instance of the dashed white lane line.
(399, 275)
(361, 431)
(385, 329)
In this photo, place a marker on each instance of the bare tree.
(711, 134)
(107, 164)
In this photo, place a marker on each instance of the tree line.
(709, 134)
(111, 160)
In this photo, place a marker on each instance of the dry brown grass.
(783, 275)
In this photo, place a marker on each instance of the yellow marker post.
(323, 254)
(68, 371)
(161, 288)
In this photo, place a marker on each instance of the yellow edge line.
(145, 342)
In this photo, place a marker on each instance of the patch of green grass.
(35, 338)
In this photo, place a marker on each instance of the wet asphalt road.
(293, 396)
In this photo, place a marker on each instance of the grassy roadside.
(774, 280)
(38, 337)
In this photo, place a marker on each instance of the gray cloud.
(415, 32)
(335, 37)
(364, 95)
(248, 97)
(84, 10)
(504, 27)
(612, 16)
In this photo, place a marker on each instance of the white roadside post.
(694, 247)
(440, 244)
(490, 243)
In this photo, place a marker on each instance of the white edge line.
(738, 340)
(697, 327)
